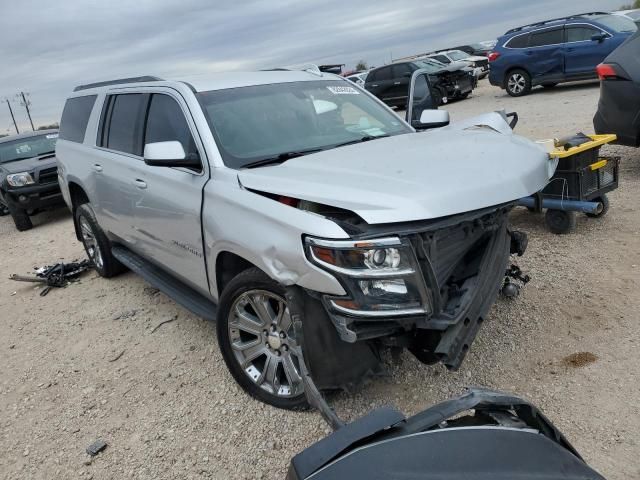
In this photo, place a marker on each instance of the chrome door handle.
(140, 183)
(396, 83)
(97, 167)
(374, 85)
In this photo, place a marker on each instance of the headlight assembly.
(381, 276)
(20, 179)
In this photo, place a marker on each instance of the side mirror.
(431, 119)
(598, 37)
(169, 154)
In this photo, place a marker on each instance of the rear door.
(167, 211)
(582, 54)
(545, 55)
(381, 82)
(401, 79)
(115, 162)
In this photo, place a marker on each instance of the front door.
(582, 54)
(167, 215)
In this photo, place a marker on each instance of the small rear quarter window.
(75, 118)
(520, 41)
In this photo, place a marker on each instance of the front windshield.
(257, 123)
(617, 23)
(28, 147)
(457, 55)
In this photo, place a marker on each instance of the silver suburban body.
(301, 212)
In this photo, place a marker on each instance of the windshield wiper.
(366, 138)
(281, 158)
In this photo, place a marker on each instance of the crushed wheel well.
(228, 265)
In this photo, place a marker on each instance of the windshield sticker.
(343, 90)
(52, 135)
(23, 149)
(374, 132)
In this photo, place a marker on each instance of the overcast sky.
(49, 47)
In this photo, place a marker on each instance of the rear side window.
(401, 70)
(546, 37)
(166, 122)
(382, 74)
(75, 118)
(580, 33)
(123, 123)
(521, 41)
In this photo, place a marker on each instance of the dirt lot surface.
(84, 363)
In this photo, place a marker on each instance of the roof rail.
(145, 78)
(544, 22)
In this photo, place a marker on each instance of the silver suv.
(301, 213)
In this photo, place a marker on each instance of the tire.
(4, 210)
(604, 200)
(436, 97)
(464, 95)
(250, 305)
(549, 85)
(96, 243)
(20, 218)
(518, 83)
(559, 221)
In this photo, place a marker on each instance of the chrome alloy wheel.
(264, 344)
(517, 83)
(90, 243)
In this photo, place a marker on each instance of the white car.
(631, 14)
(358, 78)
(479, 64)
(314, 224)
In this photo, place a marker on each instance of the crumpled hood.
(415, 176)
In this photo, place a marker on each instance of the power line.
(26, 104)
(12, 117)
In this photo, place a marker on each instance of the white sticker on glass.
(343, 90)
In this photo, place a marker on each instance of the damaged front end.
(424, 286)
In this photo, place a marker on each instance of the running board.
(170, 286)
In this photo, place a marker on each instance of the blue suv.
(554, 51)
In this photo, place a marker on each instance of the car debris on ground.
(58, 275)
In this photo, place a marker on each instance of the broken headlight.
(382, 277)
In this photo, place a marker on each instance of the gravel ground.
(84, 363)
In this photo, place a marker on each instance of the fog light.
(22, 198)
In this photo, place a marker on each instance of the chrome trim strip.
(378, 313)
(377, 242)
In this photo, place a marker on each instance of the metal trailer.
(580, 183)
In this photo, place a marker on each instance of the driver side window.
(166, 122)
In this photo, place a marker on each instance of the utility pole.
(12, 117)
(26, 103)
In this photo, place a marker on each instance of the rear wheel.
(604, 201)
(258, 342)
(518, 83)
(96, 243)
(559, 221)
(20, 218)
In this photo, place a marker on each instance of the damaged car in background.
(316, 226)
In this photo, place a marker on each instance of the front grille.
(48, 175)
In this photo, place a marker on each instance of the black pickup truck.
(28, 176)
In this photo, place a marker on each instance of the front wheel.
(559, 221)
(258, 342)
(20, 219)
(518, 83)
